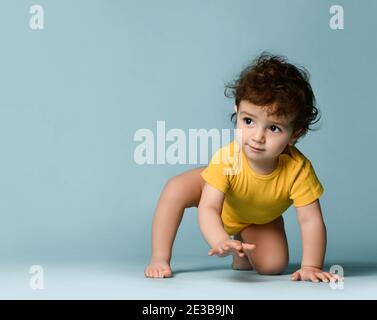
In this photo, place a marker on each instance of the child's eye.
(275, 127)
(247, 120)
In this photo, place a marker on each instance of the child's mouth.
(256, 149)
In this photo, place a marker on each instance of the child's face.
(269, 133)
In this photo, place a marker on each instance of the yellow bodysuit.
(252, 198)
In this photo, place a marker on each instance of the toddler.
(242, 194)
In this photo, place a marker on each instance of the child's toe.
(167, 273)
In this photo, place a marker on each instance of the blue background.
(74, 94)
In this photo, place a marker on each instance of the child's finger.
(235, 246)
(329, 276)
(231, 246)
(212, 252)
(321, 276)
(333, 277)
(295, 276)
(248, 246)
(337, 277)
(238, 253)
(313, 278)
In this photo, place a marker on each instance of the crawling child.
(243, 192)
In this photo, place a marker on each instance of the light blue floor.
(194, 278)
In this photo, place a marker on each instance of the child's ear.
(294, 137)
(235, 108)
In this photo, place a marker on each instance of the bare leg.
(270, 255)
(180, 192)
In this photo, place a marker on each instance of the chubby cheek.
(246, 137)
(280, 145)
(242, 134)
(277, 149)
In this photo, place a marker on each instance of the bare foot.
(158, 269)
(241, 263)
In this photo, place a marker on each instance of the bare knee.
(173, 189)
(272, 267)
(183, 192)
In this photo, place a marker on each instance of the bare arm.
(313, 234)
(210, 207)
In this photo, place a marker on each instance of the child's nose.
(258, 135)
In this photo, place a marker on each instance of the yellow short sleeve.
(306, 187)
(216, 172)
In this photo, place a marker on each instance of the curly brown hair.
(280, 87)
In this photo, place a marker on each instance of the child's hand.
(226, 247)
(314, 274)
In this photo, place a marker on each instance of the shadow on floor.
(241, 276)
(178, 270)
(350, 270)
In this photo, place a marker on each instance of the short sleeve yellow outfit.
(252, 198)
